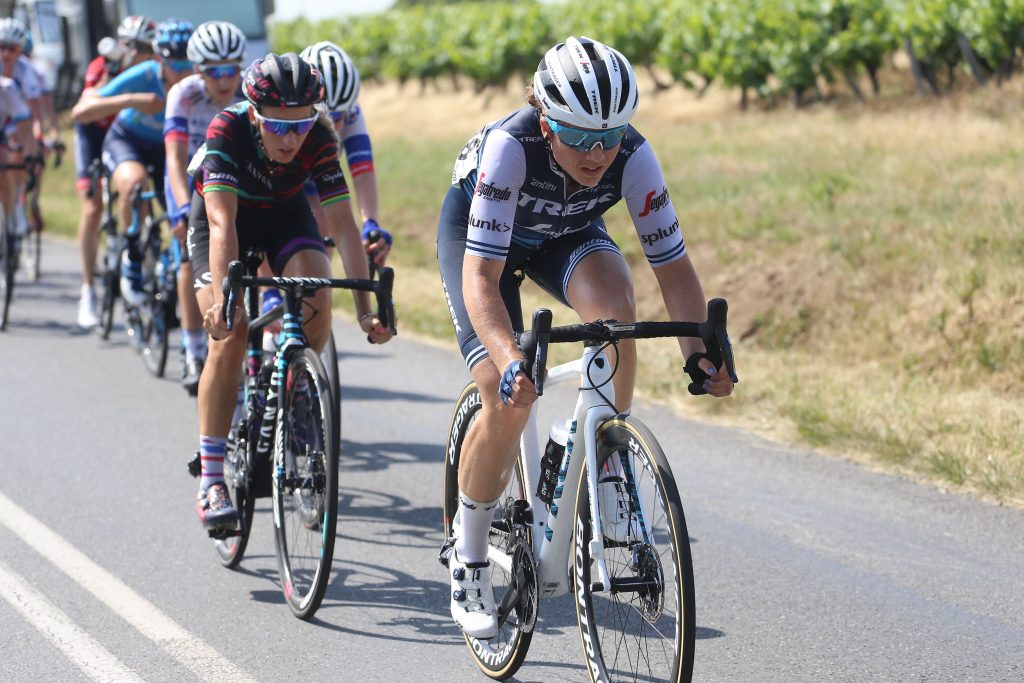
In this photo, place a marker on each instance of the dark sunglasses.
(179, 65)
(585, 140)
(221, 71)
(281, 127)
(9, 47)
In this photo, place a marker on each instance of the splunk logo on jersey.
(553, 208)
(653, 203)
(484, 224)
(256, 173)
(492, 192)
(650, 238)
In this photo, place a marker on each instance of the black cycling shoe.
(190, 376)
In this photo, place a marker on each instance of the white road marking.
(195, 655)
(83, 650)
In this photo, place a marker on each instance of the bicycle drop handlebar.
(712, 332)
(382, 289)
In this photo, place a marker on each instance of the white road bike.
(627, 558)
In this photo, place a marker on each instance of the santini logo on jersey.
(491, 192)
(653, 203)
(492, 225)
(650, 238)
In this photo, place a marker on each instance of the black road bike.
(286, 444)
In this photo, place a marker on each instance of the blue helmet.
(171, 41)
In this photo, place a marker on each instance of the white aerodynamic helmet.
(341, 79)
(137, 29)
(216, 41)
(13, 32)
(586, 84)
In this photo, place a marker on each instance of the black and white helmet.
(586, 84)
(341, 79)
(13, 32)
(216, 41)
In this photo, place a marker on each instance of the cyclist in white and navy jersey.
(528, 194)
(135, 139)
(341, 105)
(14, 111)
(215, 50)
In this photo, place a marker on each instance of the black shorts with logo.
(280, 232)
(549, 263)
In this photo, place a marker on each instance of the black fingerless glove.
(696, 373)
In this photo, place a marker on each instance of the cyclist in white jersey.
(215, 50)
(527, 197)
(13, 37)
(341, 105)
(14, 112)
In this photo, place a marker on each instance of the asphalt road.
(808, 568)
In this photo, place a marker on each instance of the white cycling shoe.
(473, 598)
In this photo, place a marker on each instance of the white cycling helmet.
(341, 79)
(13, 32)
(137, 29)
(216, 41)
(586, 84)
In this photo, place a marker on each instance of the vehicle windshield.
(245, 14)
(49, 23)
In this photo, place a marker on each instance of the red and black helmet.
(283, 81)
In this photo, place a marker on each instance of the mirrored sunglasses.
(585, 140)
(282, 127)
(179, 65)
(221, 70)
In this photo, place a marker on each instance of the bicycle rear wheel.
(108, 275)
(501, 656)
(305, 490)
(644, 628)
(153, 316)
(7, 265)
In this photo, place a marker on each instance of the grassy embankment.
(872, 257)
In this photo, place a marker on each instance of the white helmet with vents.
(341, 79)
(586, 84)
(216, 41)
(13, 32)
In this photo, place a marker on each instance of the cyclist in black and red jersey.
(527, 199)
(249, 193)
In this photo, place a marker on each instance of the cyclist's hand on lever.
(376, 241)
(703, 373)
(713, 371)
(515, 387)
(376, 333)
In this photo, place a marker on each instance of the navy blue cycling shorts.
(548, 262)
(119, 146)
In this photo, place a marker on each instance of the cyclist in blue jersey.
(527, 199)
(249, 180)
(215, 50)
(135, 140)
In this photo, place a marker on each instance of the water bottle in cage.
(551, 461)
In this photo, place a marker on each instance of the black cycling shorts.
(280, 232)
(549, 263)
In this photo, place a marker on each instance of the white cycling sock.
(474, 526)
(194, 342)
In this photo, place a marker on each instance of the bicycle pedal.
(222, 534)
(195, 467)
(447, 548)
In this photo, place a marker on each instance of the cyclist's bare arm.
(341, 226)
(365, 185)
(93, 107)
(221, 212)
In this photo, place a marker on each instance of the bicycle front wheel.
(305, 487)
(108, 275)
(329, 356)
(7, 265)
(155, 316)
(501, 656)
(643, 628)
